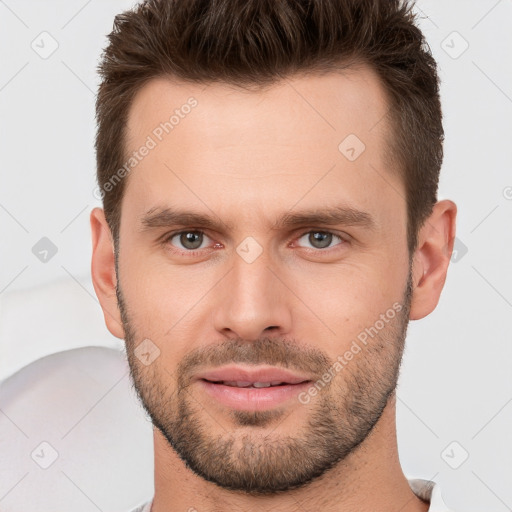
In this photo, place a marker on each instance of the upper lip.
(260, 374)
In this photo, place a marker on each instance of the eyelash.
(167, 238)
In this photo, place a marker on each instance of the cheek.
(350, 298)
(167, 304)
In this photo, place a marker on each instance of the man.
(269, 178)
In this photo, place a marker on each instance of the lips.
(261, 377)
(252, 389)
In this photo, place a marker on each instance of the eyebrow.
(342, 215)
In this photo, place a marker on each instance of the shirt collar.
(430, 491)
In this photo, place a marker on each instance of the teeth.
(261, 384)
(245, 384)
(238, 384)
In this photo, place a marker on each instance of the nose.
(252, 301)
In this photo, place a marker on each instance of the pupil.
(188, 238)
(323, 238)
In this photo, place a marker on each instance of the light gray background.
(456, 382)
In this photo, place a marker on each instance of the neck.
(368, 479)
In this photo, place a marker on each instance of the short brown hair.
(255, 43)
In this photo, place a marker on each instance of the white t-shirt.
(425, 489)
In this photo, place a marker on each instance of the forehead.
(351, 100)
(316, 138)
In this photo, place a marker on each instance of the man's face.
(249, 292)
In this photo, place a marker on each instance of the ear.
(104, 273)
(432, 257)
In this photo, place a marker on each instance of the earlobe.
(432, 257)
(103, 271)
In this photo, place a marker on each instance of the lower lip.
(253, 399)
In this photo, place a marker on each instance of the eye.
(189, 240)
(321, 239)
